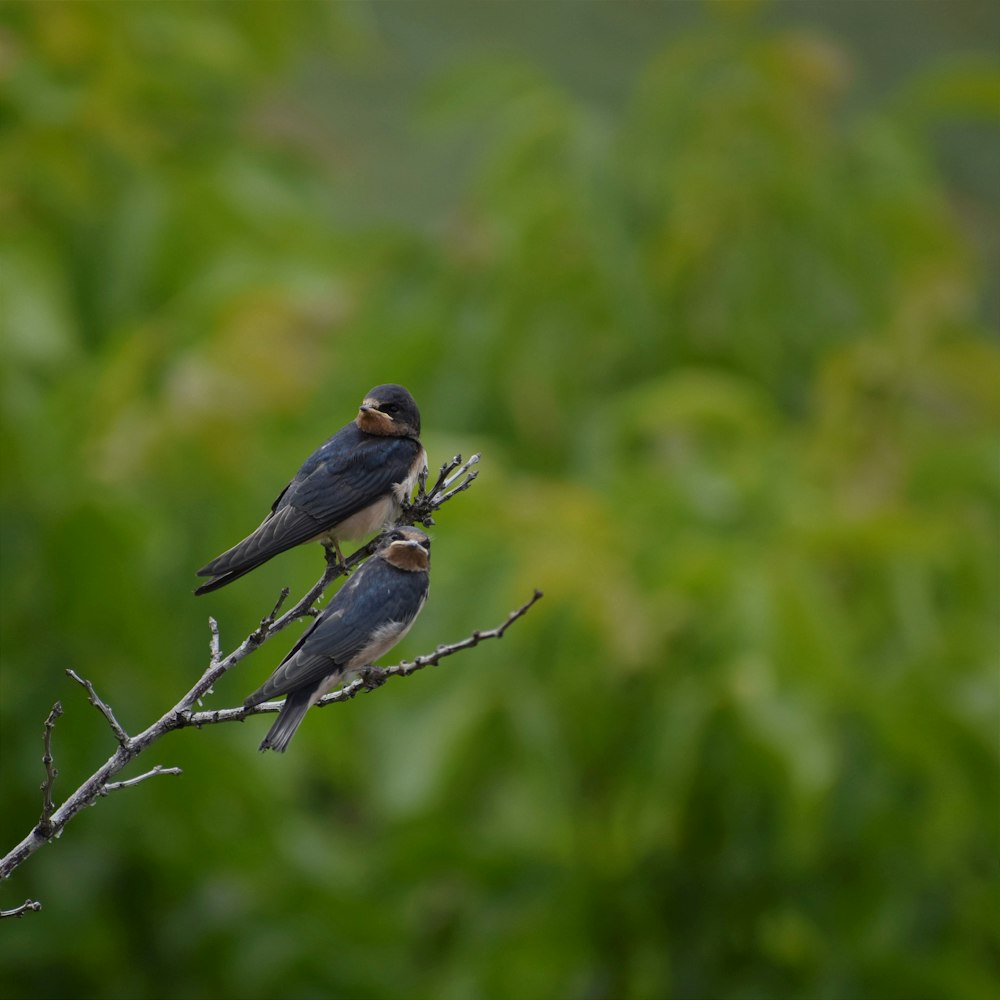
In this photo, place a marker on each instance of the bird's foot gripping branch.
(455, 477)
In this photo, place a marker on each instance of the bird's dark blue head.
(389, 411)
(406, 548)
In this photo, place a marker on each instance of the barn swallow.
(349, 487)
(365, 619)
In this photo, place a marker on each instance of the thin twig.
(442, 476)
(159, 769)
(102, 707)
(374, 677)
(421, 509)
(214, 645)
(268, 620)
(474, 460)
(51, 772)
(28, 906)
(461, 487)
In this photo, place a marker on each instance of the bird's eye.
(390, 408)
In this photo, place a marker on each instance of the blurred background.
(713, 288)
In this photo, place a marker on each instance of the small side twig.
(268, 620)
(113, 786)
(461, 471)
(375, 677)
(51, 772)
(28, 906)
(421, 509)
(102, 707)
(214, 644)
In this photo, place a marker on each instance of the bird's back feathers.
(349, 473)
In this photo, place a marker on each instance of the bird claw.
(334, 557)
(372, 678)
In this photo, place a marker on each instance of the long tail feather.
(289, 718)
(224, 578)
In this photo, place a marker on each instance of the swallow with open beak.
(349, 487)
(365, 619)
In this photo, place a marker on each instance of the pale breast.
(384, 511)
(382, 640)
(404, 490)
(371, 519)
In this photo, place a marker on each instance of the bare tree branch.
(372, 677)
(214, 645)
(102, 707)
(159, 769)
(51, 773)
(454, 477)
(421, 509)
(28, 906)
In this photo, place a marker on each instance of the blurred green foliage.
(724, 353)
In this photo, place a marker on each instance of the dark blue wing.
(343, 476)
(349, 472)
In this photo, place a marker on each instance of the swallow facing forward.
(349, 487)
(366, 618)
